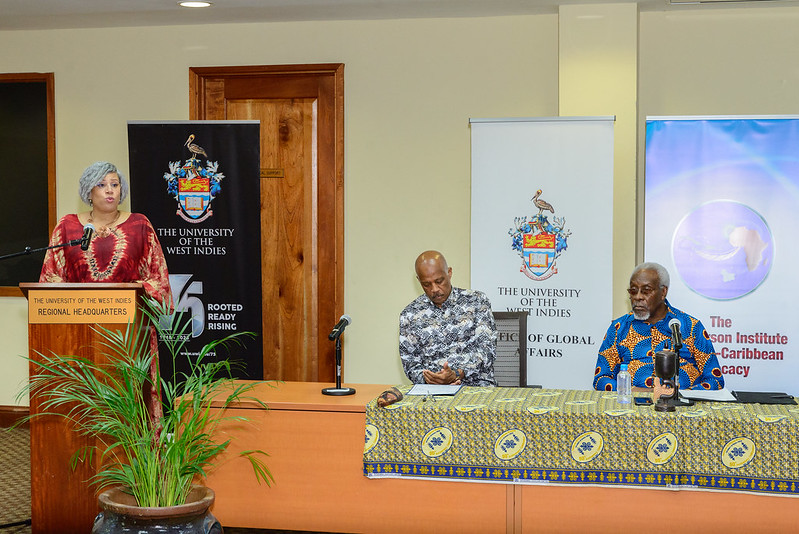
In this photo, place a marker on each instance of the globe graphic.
(723, 250)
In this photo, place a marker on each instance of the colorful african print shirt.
(635, 343)
(461, 332)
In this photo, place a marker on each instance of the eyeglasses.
(645, 291)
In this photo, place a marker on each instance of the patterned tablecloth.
(515, 435)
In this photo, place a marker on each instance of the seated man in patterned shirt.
(447, 335)
(636, 337)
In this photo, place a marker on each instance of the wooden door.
(301, 109)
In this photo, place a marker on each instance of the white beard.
(642, 316)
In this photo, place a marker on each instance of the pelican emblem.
(193, 148)
(542, 204)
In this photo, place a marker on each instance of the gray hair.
(663, 274)
(94, 174)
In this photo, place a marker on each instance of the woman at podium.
(117, 246)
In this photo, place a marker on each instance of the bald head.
(431, 257)
(434, 275)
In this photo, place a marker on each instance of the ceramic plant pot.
(119, 514)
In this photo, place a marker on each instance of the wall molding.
(11, 414)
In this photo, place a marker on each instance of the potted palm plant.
(150, 456)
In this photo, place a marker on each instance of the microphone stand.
(676, 344)
(338, 390)
(29, 250)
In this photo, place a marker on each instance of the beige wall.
(411, 87)
(720, 62)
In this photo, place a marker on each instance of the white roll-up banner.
(542, 236)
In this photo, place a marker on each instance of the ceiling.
(53, 14)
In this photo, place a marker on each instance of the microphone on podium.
(336, 334)
(88, 230)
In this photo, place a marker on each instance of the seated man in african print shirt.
(447, 335)
(636, 337)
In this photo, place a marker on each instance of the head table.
(553, 436)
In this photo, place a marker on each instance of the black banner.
(198, 183)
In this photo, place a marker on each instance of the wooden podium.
(61, 318)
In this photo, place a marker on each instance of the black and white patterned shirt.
(461, 332)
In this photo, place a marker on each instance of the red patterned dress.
(130, 252)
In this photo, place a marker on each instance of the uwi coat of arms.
(192, 185)
(539, 242)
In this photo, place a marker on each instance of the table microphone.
(340, 326)
(336, 334)
(676, 338)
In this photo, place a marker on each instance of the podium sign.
(89, 306)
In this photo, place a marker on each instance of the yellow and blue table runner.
(519, 435)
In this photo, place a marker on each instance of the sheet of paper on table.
(716, 395)
(434, 389)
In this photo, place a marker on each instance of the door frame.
(331, 76)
